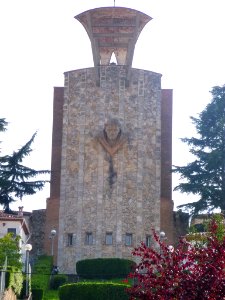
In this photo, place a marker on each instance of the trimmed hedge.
(41, 273)
(104, 268)
(58, 280)
(93, 291)
(37, 294)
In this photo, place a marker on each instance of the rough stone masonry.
(89, 202)
(111, 153)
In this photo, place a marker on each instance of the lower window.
(148, 240)
(70, 240)
(108, 238)
(89, 238)
(128, 239)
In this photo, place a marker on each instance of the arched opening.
(113, 60)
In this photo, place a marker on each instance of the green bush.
(51, 295)
(104, 268)
(93, 291)
(58, 280)
(14, 279)
(37, 294)
(41, 273)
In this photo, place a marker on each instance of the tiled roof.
(15, 217)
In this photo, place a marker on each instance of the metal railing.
(2, 279)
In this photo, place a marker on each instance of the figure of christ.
(112, 138)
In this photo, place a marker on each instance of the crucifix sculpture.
(112, 139)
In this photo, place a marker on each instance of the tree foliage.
(3, 124)
(17, 180)
(187, 273)
(205, 176)
(9, 246)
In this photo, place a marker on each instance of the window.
(13, 231)
(200, 227)
(108, 238)
(128, 239)
(70, 239)
(148, 240)
(89, 238)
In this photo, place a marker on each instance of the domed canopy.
(113, 30)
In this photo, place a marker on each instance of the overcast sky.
(40, 40)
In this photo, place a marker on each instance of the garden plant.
(190, 272)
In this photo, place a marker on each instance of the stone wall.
(37, 227)
(9, 295)
(181, 224)
(102, 193)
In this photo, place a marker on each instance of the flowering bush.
(184, 273)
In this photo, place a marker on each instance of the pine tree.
(3, 124)
(205, 176)
(16, 180)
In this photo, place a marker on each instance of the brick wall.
(37, 222)
(166, 213)
(52, 207)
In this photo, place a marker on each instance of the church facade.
(111, 148)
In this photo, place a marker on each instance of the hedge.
(58, 280)
(41, 273)
(37, 294)
(93, 291)
(104, 268)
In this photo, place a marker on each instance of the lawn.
(51, 295)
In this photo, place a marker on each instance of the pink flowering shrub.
(185, 273)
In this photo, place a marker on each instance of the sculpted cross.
(112, 138)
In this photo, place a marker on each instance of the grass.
(51, 295)
(114, 280)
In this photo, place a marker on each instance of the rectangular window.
(128, 239)
(148, 240)
(70, 240)
(12, 230)
(108, 238)
(89, 238)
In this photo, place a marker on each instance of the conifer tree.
(205, 176)
(3, 124)
(17, 180)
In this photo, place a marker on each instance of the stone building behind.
(111, 148)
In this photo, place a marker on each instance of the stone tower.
(111, 148)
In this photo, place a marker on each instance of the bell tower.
(113, 30)
(111, 148)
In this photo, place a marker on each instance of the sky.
(40, 40)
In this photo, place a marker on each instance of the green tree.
(205, 176)
(9, 246)
(3, 124)
(17, 180)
